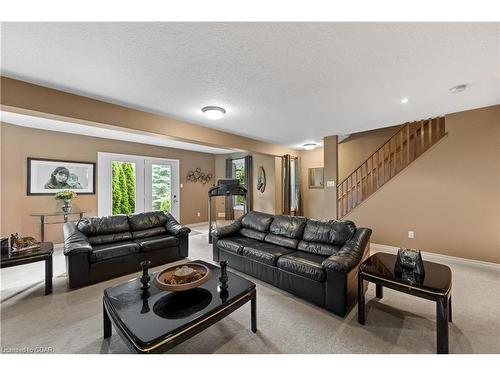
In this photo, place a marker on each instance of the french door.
(162, 185)
(130, 183)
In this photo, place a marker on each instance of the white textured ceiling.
(287, 83)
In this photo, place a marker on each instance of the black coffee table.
(159, 320)
(43, 253)
(435, 286)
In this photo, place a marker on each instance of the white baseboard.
(438, 257)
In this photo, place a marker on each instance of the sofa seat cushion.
(113, 250)
(265, 252)
(303, 264)
(235, 244)
(318, 248)
(157, 242)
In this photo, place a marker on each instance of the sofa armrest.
(173, 226)
(350, 254)
(75, 242)
(226, 230)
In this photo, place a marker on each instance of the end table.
(436, 286)
(44, 253)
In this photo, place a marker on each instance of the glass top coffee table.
(158, 320)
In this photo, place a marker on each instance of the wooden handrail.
(401, 149)
(397, 132)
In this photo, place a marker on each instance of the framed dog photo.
(47, 176)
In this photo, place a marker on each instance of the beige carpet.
(70, 321)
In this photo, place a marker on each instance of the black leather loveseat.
(315, 260)
(99, 248)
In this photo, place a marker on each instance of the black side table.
(44, 253)
(435, 286)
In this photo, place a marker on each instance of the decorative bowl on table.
(183, 277)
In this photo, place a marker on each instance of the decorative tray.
(183, 277)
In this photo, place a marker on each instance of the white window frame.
(104, 181)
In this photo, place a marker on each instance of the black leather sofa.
(100, 248)
(315, 260)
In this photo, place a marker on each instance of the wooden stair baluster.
(406, 145)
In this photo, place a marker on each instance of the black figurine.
(145, 274)
(223, 274)
(409, 265)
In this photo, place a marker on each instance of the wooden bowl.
(161, 278)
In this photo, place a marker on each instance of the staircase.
(411, 141)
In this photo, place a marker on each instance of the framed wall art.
(48, 176)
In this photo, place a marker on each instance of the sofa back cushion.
(147, 220)
(109, 238)
(282, 241)
(96, 226)
(105, 229)
(255, 234)
(150, 232)
(332, 232)
(257, 221)
(288, 226)
(286, 230)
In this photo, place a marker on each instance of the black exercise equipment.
(226, 187)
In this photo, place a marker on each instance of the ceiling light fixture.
(309, 146)
(405, 100)
(458, 88)
(213, 112)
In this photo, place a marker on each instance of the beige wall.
(330, 157)
(18, 143)
(23, 97)
(312, 199)
(278, 180)
(450, 196)
(358, 147)
(266, 201)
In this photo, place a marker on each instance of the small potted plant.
(66, 196)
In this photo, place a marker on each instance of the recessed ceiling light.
(213, 112)
(309, 146)
(405, 100)
(458, 88)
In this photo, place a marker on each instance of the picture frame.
(49, 176)
(316, 178)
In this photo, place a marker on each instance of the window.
(239, 174)
(294, 185)
(123, 187)
(132, 183)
